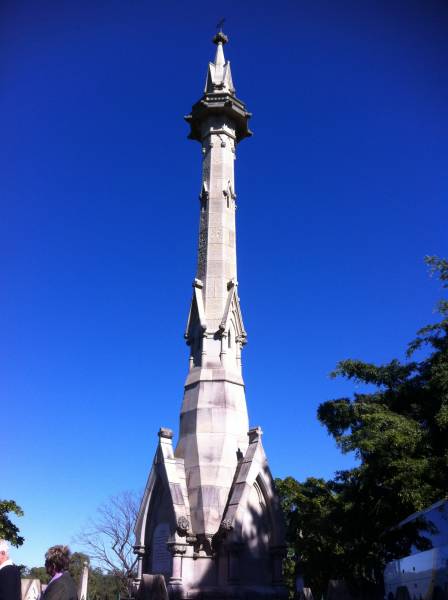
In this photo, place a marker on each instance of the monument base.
(242, 560)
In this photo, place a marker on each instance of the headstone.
(31, 589)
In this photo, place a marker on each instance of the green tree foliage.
(313, 534)
(39, 573)
(101, 586)
(343, 528)
(9, 531)
(76, 566)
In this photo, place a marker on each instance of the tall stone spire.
(219, 122)
(210, 522)
(214, 421)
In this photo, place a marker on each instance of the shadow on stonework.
(224, 567)
(152, 587)
(242, 568)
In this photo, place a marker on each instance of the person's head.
(57, 559)
(4, 551)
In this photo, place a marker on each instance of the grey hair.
(4, 547)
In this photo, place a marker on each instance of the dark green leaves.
(9, 531)
(344, 528)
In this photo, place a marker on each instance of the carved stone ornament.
(183, 525)
(165, 432)
(139, 550)
(202, 244)
(220, 37)
(204, 544)
(177, 548)
(255, 434)
(226, 525)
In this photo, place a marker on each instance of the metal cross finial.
(220, 37)
(220, 24)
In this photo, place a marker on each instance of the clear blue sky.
(341, 192)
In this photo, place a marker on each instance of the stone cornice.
(219, 103)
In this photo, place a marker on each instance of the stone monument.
(84, 582)
(210, 520)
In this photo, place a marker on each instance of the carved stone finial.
(165, 432)
(220, 38)
(254, 434)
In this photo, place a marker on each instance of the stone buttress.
(210, 520)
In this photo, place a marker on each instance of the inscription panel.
(202, 245)
(161, 557)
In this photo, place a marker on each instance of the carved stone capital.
(177, 549)
(139, 550)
